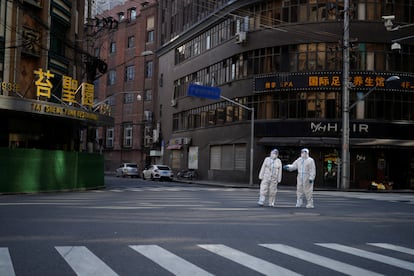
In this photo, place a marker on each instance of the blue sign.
(201, 91)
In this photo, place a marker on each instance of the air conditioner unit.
(240, 37)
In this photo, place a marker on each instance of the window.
(121, 16)
(148, 115)
(228, 157)
(150, 23)
(129, 73)
(131, 41)
(127, 141)
(111, 77)
(129, 98)
(110, 138)
(150, 36)
(112, 48)
(132, 14)
(148, 69)
(148, 95)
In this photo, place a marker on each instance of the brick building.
(125, 38)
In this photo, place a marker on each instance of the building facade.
(46, 102)
(285, 60)
(125, 38)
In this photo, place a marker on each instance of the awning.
(335, 142)
(299, 141)
(13, 104)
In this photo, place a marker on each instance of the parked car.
(127, 169)
(159, 172)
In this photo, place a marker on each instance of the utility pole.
(345, 160)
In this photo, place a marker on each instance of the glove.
(286, 167)
(310, 181)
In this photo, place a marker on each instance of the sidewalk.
(282, 187)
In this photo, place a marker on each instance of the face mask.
(303, 155)
(273, 156)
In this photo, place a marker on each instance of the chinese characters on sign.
(87, 94)
(330, 81)
(70, 88)
(43, 84)
(316, 81)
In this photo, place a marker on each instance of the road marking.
(368, 255)
(394, 247)
(83, 261)
(246, 260)
(319, 260)
(6, 265)
(169, 261)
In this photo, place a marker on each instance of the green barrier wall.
(32, 170)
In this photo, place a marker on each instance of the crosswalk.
(85, 262)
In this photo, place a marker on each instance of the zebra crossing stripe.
(6, 265)
(368, 255)
(246, 260)
(83, 261)
(169, 261)
(394, 247)
(319, 260)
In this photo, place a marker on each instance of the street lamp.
(390, 79)
(97, 105)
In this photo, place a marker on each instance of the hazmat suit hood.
(274, 154)
(304, 153)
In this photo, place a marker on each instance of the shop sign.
(324, 127)
(63, 111)
(320, 128)
(332, 81)
(361, 158)
(70, 88)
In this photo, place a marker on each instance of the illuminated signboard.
(44, 86)
(332, 81)
(70, 88)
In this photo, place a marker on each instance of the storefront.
(49, 146)
(380, 152)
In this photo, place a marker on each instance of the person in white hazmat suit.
(305, 165)
(270, 175)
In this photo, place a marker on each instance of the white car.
(159, 172)
(127, 169)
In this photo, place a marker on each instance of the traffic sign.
(202, 91)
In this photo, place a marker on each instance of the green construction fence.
(34, 170)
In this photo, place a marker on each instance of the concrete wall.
(32, 170)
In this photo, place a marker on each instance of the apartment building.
(284, 59)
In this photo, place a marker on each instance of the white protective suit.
(306, 168)
(270, 176)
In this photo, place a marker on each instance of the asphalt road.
(136, 227)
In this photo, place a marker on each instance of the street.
(137, 227)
